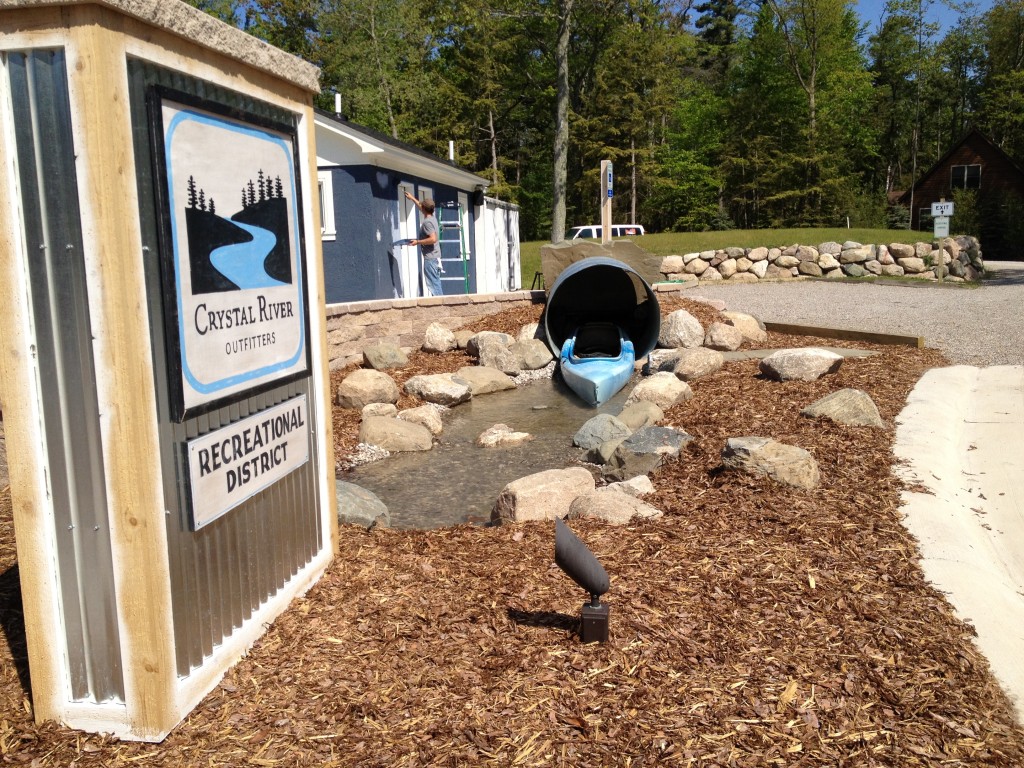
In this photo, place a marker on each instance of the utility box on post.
(164, 376)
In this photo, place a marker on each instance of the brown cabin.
(972, 163)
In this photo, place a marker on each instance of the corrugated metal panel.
(60, 310)
(227, 569)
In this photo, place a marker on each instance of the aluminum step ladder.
(454, 255)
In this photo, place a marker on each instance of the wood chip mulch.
(752, 625)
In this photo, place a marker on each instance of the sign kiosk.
(164, 383)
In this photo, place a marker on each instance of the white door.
(408, 256)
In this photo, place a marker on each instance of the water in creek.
(458, 481)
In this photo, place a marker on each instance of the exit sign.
(942, 209)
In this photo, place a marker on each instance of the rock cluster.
(958, 260)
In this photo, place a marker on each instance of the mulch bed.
(752, 625)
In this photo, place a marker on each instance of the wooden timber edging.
(848, 334)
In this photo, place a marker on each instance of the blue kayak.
(596, 361)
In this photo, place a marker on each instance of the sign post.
(607, 188)
(941, 213)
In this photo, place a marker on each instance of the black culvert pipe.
(602, 289)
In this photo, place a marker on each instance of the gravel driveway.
(972, 325)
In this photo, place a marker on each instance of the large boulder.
(477, 340)
(531, 354)
(612, 507)
(752, 329)
(803, 364)
(785, 464)
(395, 435)
(642, 413)
(384, 356)
(691, 364)
(541, 496)
(662, 441)
(529, 331)
(638, 486)
(364, 386)
(600, 429)
(853, 407)
(441, 388)
(663, 389)
(493, 354)
(681, 329)
(483, 380)
(723, 337)
(426, 416)
(439, 339)
(358, 506)
(379, 409)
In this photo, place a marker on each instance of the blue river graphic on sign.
(247, 250)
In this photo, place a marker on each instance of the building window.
(326, 196)
(965, 177)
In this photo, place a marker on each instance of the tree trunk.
(561, 122)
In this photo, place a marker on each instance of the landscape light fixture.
(580, 565)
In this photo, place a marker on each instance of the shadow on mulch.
(545, 619)
(12, 622)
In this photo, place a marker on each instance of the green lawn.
(668, 243)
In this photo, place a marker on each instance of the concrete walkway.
(961, 435)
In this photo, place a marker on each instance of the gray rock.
(787, 261)
(604, 452)
(681, 329)
(757, 254)
(723, 337)
(662, 441)
(613, 508)
(727, 268)
(364, 386)
(462, 338)
(441, 388)
(806, 364)
(828, 262)
(494, 354)
(424, 415)
(529, 331)
(501, 435)
(379, 409)
(599, 429)
(809, 268)
(384, 356)
(477, 340)
(849, 406)
(531, 354)
(831, 247)
(912, 265)
(664, 359)
(902, 251)
(438, 339)
(710, 275)
(851, 244)
(663, 389)
(642, 413)
(694, 363)
(751, 327)
(638, 486)
(857, 255)
(743, 277)
(541, 496)
(483, 380)
(854, 270)
(759, 268)
(874, 267)
(892, 270)
(783, 463)
(394, 435)
(775, 272)
(671, 265)
(358, 506)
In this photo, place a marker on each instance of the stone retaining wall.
(358, 324)
(960, 257)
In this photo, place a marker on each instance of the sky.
(870, 12)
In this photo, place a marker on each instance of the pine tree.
(202, 200)
(191, 192)
(252, 193)
(278, 187)
(262, 184)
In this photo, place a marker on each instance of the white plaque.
(233, 463)
(942, 226)
(942, 209)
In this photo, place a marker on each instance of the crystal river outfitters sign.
(235, 303)
(231, 464)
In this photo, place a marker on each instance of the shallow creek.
(458, 481)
